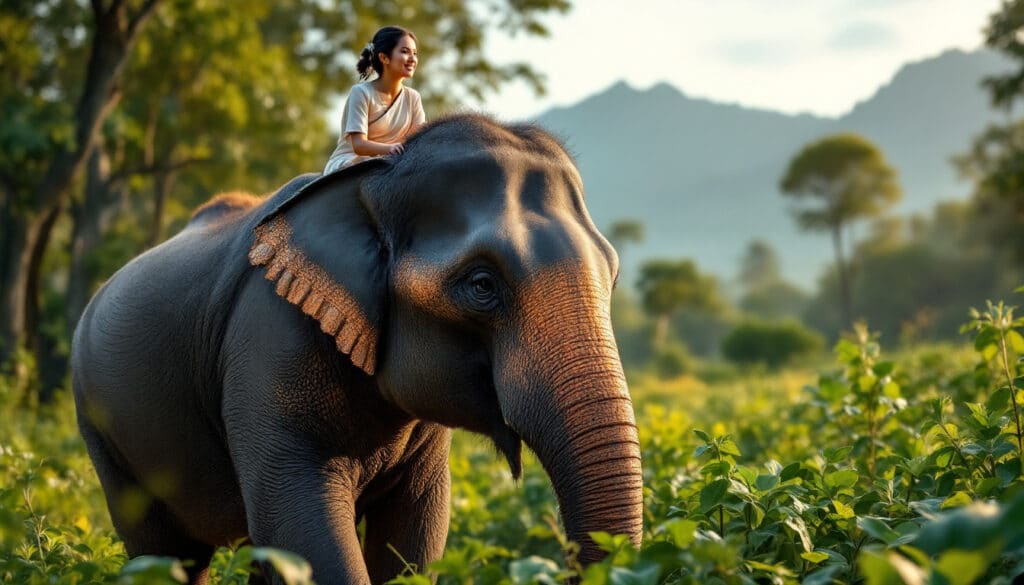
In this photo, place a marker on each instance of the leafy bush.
(875, 471)
(672, 361)
(773, 344)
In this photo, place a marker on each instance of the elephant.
(285, 368)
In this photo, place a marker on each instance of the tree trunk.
(86, 236)
(12, 287)
(845, 305)
(27, 232)
(661, 331)
(49, 363)
(164, 184)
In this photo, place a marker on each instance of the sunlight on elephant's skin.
(461, 284)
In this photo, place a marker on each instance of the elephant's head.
(468, 278)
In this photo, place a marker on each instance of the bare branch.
(140, 16)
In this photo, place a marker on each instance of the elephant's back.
(149, 312)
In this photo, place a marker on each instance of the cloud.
(754, 52)
(863, 35)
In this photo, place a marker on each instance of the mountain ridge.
(702, 176)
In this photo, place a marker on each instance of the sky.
(793, 56)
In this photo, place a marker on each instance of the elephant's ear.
(324, 255)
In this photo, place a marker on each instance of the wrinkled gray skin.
(215, 409)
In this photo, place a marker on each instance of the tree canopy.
(178, 99)
(850, 179)
(666, 286)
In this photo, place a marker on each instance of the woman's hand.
(364, 147)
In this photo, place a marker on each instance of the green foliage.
(851, 180)
(912, 279)
(848, 174)
(672, 361)
(881, 470)
(668, 285)
(625, 231)
(772, 344)
(994, 160)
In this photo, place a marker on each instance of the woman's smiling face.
(403, 59)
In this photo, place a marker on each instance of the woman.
(379, 114)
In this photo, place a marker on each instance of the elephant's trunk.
(563, 391)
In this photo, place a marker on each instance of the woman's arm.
(365, 147)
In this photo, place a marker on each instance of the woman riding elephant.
(461, 284)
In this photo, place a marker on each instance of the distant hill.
(703, 176)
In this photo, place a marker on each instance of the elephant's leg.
(142, 521)
(292, 503)
(413, 518)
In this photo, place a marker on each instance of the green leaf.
(716, 468)
(610, 543)
(712, 494)
(969, 528)
(1008, 471)
(533, 569)
(728, 447)
(987, 337)
(962, 567)
(293, 569)
(999, 400)
(778, 569)
(1016, 341)
(814, 557)
(842, 510)
(957, 500)
(889, 568)
(883, 369)
(416, 579)
(837, 454)
(644, 575)
(681, 531)
(790, 471)
(866, 382)
(766, 482)
(891, 390)
(843, 478)
(666, 555)
(978, 412)
(702, 435)
(797, 524)
(154, 569)
(944, 456)
(823, 576)
(832, 390)
(877, 528)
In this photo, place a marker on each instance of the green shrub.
(772, 344)
(672, 361)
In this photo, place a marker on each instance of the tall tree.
(759, 267)
(765, 293)
(624, 232)
(666, 286)
(848, 178)
(996, 159)
(209, 98)
(35, 181)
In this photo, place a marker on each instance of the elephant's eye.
(483, 290)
